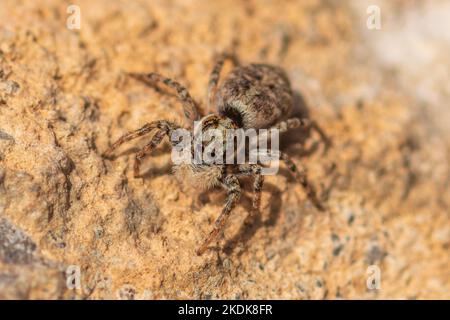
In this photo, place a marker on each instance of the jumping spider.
(255, 96)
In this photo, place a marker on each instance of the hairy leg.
(300, 176)
(215, 76)
(307, 124)
(284, 126)
(255, 171)
(147, 128)
(147, 149)
(189, 107)
(289, 124)
(231, 183)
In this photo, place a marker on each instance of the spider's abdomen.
(255, 96)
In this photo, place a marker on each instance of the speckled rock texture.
(381, 95)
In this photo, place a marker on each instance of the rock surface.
(64, 98)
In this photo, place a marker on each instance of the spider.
(254, 96)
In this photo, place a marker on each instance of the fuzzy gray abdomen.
(255, 96)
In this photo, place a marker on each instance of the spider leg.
(147, 149)
(215, 76)
(189, 107)
(255, 171)
(137, 133)
(307, 124)
(257, 187)
(231, 183)
(284, 126)
(301, 176)
(289, 124)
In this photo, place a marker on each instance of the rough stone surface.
(381, 95)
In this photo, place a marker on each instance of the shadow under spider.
(295, 139)
(254, 222)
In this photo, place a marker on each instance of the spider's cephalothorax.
(256, 96)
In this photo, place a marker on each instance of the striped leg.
(288, 124)
(255, 171)
(147, 128)
(307, 124)
(231, 183)
(189, 107)
(215, 76)
(147, 149)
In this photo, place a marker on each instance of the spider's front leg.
(163, 128)
(191, 113)
(231, 183)
(147, 128)
(147, 149)
(167, 129)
